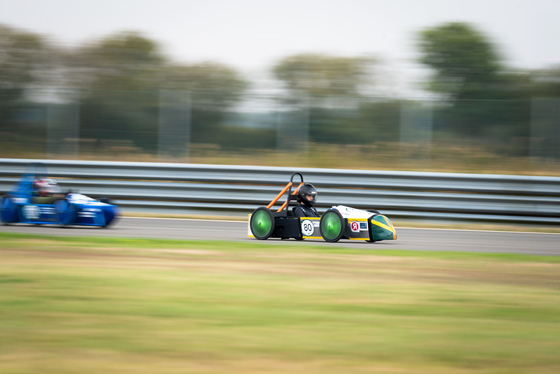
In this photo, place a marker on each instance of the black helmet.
(307, 189)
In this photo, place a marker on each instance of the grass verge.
(98, 305)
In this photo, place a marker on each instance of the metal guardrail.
(238, 190)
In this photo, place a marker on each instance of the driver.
(45, 191)
(306, 197)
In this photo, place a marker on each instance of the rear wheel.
(8, 210)
(332, 226)
(262, 223)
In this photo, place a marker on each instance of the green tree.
(463, 59)
(220, 84)
(327, 91)
(23, 56)
(122, 76)
(214, 89)
(123, 61)
(317, 75)
(118, 77)
(486, 100)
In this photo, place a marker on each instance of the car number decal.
(307, 227)
(31, 212)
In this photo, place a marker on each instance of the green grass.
(84, 305)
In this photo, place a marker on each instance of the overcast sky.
(253, 34)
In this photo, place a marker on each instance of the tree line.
(120, 77)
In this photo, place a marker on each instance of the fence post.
(63, 127)
(174, 128)
(416, 127)
(545, 128)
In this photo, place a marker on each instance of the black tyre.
(111, 216)
(8, 211)
(262, 223)
(332, 226)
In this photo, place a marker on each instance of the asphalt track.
(407, 238)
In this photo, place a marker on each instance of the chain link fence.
(184, 126)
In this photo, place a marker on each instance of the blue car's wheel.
(262, 223)
(111, 214)
(8, 210)
(65, 212)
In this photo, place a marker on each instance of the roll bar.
(288, 188)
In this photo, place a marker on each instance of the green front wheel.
(262, 223)
(332, 226)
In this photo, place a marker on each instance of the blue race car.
(37, 199)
